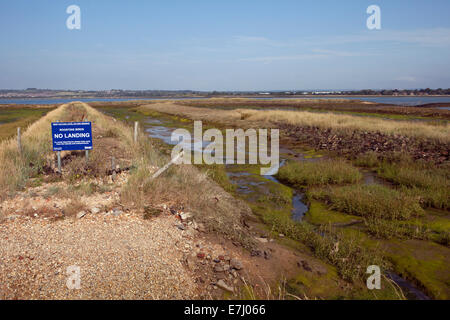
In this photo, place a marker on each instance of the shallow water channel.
(248, 182)
(251, 186)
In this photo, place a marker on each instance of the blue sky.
(224, 45)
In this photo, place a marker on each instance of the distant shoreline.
(417, 101)
(225, 96)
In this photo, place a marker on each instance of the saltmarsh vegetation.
(346, 253)
(301, 174)
(424, 180)
(348, 123)
(13, 117)
(385, 214)
(374, 201)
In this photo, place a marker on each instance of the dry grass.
(348, 123)
(339, 122)
(73, 207)
(187, 187)
(194, 113)
(16, 167)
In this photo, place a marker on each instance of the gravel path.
(122, 257)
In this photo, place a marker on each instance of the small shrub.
(150, 212)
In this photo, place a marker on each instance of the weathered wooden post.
(136, 125)
(87, 156)
(59, 161)
(113, 168)
(19, 142)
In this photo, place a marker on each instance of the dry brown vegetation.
(348, 123)
(184, 187)
(339, 122)
(338, 104)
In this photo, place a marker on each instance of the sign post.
(68, 136)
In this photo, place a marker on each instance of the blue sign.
(71, 136)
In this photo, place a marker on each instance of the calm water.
(407, 101)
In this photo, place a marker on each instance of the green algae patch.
(313, 154)
(318, 214)
(314, 285)
(424, 263)
(436, 220)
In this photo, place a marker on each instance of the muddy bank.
(355, 143)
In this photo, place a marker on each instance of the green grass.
(301, 174)
(318, 214)
(373, 201)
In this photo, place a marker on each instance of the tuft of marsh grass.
(367, 160)
(388, 229)
(300, 174)
(443, 238)
(430, 184)
(375, 201)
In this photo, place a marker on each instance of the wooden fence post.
(19, 141)
(87, 156)
(59, 162)
(113, 168)
(136, 124)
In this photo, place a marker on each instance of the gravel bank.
(122, 257)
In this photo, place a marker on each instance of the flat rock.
(222, 285)
(236, 264)
(185, 216)
(117, 212)
(81, 214)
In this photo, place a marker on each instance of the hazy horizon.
(225, 46)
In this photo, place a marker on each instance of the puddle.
(152, 121)
(371, 178)
(299, 208)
